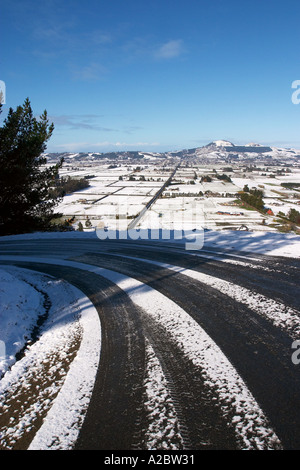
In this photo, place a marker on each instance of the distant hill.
(218, 150)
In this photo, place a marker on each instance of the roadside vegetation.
(66, 185)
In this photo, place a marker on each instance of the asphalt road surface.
(206, 284)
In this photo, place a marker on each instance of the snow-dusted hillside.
(218, 149)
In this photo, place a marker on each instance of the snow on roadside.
(268, 243)
(64, 420)
(20, 306)
(59, 368)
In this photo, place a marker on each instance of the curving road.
(244, 308)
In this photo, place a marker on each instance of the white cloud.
(135, 144)
(90, 72)
(170, 49)
(84, 121)
(90, 147)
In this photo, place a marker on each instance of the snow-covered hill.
(219, 150)
(223, 143)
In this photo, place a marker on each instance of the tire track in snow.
(238, 406)
(286, 318)
(191, 339)
(163, 430)
(257, 349)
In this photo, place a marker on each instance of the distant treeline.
(294, 216)
(224, 177)
(253, 197)
(290, 185)
(66, 184)
(208, 179)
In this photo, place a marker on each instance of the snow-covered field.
(126, 192)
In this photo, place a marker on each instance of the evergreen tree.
(88, 223)
(26, 203)
(80, 227)
(294, 216)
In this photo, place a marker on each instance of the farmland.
(198, 195)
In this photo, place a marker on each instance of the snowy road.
(196, 348)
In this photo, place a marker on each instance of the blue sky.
(154, 75)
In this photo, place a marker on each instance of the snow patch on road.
(163, 432)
